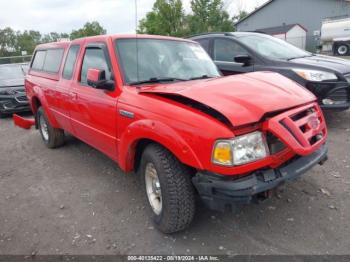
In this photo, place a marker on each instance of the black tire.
(342, 49)
(54, 137)
(177, 191)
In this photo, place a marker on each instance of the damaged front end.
(297, 142)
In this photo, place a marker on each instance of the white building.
(307, 13)
(294, 34)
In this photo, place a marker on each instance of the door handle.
(73, 95)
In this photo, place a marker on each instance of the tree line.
(168, 17)
(13, 42)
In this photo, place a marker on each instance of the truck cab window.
(53, 60)
(94, 58)
(39, 58)
(226, 50)
(70, 61)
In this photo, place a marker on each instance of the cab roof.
(53, 45)
(113, 37)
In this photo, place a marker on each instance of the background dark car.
(13, 97)
(241, 52)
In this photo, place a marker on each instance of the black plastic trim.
(218, 192)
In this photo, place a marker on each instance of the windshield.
(163, 59)
(272, 47)
(8, 72)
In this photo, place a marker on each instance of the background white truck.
(335, 36)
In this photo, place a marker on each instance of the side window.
(226, 50)
(38, 61)
(70, 62)
(204, 43)
(53, 60)
(94, 58)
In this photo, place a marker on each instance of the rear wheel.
(168, 188)
(342, 49)
(53, 137)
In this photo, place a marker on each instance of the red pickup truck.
(159, 107)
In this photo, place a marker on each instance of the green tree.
(166, 18)
(27, 41)
(51, 37)
(89, 29)
(209, 16)
(7, 41)
(65, 35)
(54, 37)
(13, 43)
(241, 15)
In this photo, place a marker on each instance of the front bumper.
(338, 92)
(14, 103)
(221, 193)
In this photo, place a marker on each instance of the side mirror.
(96, 78)
(246, 60)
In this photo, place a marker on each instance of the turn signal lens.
(222, 154)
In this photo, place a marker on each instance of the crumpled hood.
(242, 99)
(331, 63)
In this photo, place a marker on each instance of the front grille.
(301, 129)
(306, 126)
(9, 105)
(22, 98)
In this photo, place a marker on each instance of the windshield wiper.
(300, 57)
(24, 73)
(157, 80)
(154, 80)
(200, 77)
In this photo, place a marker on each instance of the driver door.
(224, 52)
(93, 112)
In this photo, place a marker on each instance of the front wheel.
(342, 49)
(169, 189)
(53, 137)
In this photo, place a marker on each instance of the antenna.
(136, 42)
(136, 22)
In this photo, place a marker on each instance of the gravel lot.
(74, 200)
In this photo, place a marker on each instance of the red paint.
(94, 74)
(23, 122)
(255, 101)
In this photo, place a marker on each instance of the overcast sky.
(117, 16)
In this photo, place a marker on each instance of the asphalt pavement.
(75, 200)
